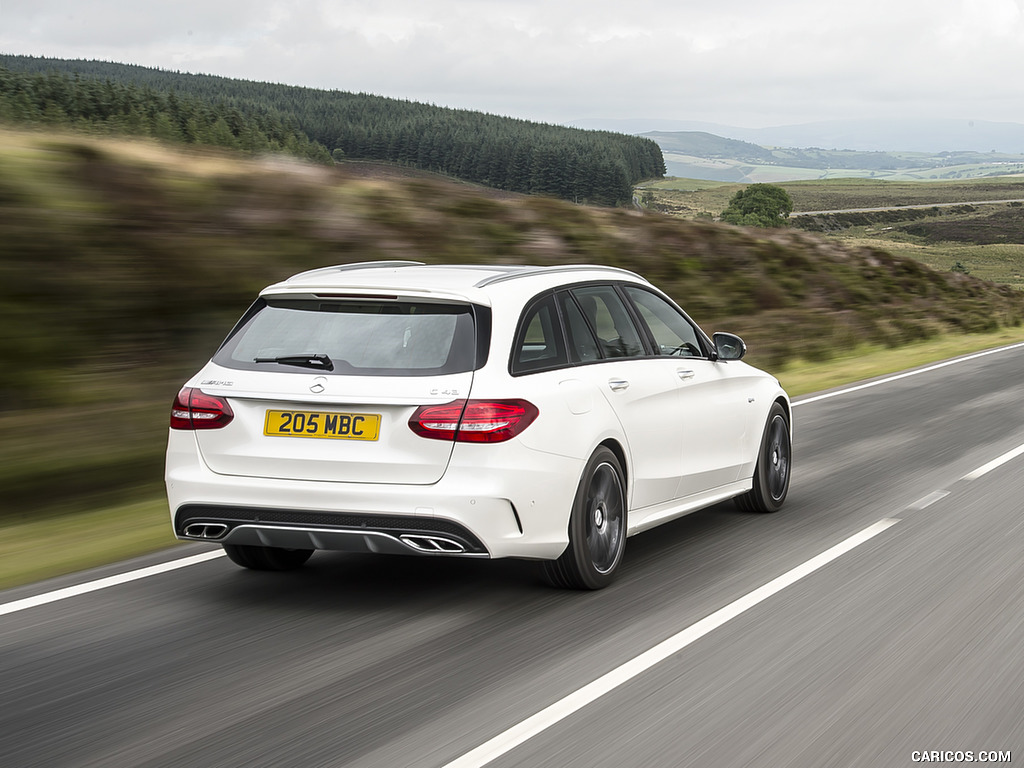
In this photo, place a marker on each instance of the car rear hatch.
(323, 389)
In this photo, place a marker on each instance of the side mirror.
(729, 346)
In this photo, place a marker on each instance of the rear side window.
(616, 334)
(369, 338)
(582, 344)
(539, 344)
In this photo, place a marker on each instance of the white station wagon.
(471, 411)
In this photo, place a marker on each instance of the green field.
(839, 194)
(686, 198)
(842, 193)
(987, 240)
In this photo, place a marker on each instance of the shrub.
(759, 205)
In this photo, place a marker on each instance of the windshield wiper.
(321, 362)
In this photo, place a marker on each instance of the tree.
(600, 167)
(759, 205)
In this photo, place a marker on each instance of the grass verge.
(40, 549)
(802, 378)
(36, 550)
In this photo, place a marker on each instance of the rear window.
(356, 338)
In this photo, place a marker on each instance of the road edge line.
(104, 583)
(907, 374)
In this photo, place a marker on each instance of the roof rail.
(359, 265)
(529, 271)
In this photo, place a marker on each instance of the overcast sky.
(751, 63)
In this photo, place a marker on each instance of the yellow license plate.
(340, 426)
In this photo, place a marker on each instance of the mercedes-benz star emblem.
(319, 385)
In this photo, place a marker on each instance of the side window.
(610, 321)
(582, 344)
(673, 333)
(539, 344)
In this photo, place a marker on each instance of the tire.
(267, 558)
(597, 528)
(774, 464)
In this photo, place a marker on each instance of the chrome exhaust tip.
(206, 530)
(438, 545)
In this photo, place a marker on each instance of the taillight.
(194, 409)
(474, 421)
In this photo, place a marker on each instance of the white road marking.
(109, 581)
(996, 462)
(531, 726)
(907, 374)
(928, 500)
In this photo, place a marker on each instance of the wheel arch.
(787, 409)
(615, 447)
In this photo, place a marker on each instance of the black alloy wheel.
(774, 464)
(597, 527)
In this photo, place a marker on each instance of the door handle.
(684, 373)
(618, 385)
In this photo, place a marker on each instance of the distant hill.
(702, 144)
(931, 136)
(866, 135)
(701, 155)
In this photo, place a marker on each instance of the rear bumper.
(498, 501)
(299, 529)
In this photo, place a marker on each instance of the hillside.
(597, 167)
(124, 264)
(710, 146)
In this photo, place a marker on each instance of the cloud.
(751, 63)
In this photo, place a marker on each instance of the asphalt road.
(911, 640)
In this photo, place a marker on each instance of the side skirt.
(648, 517)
